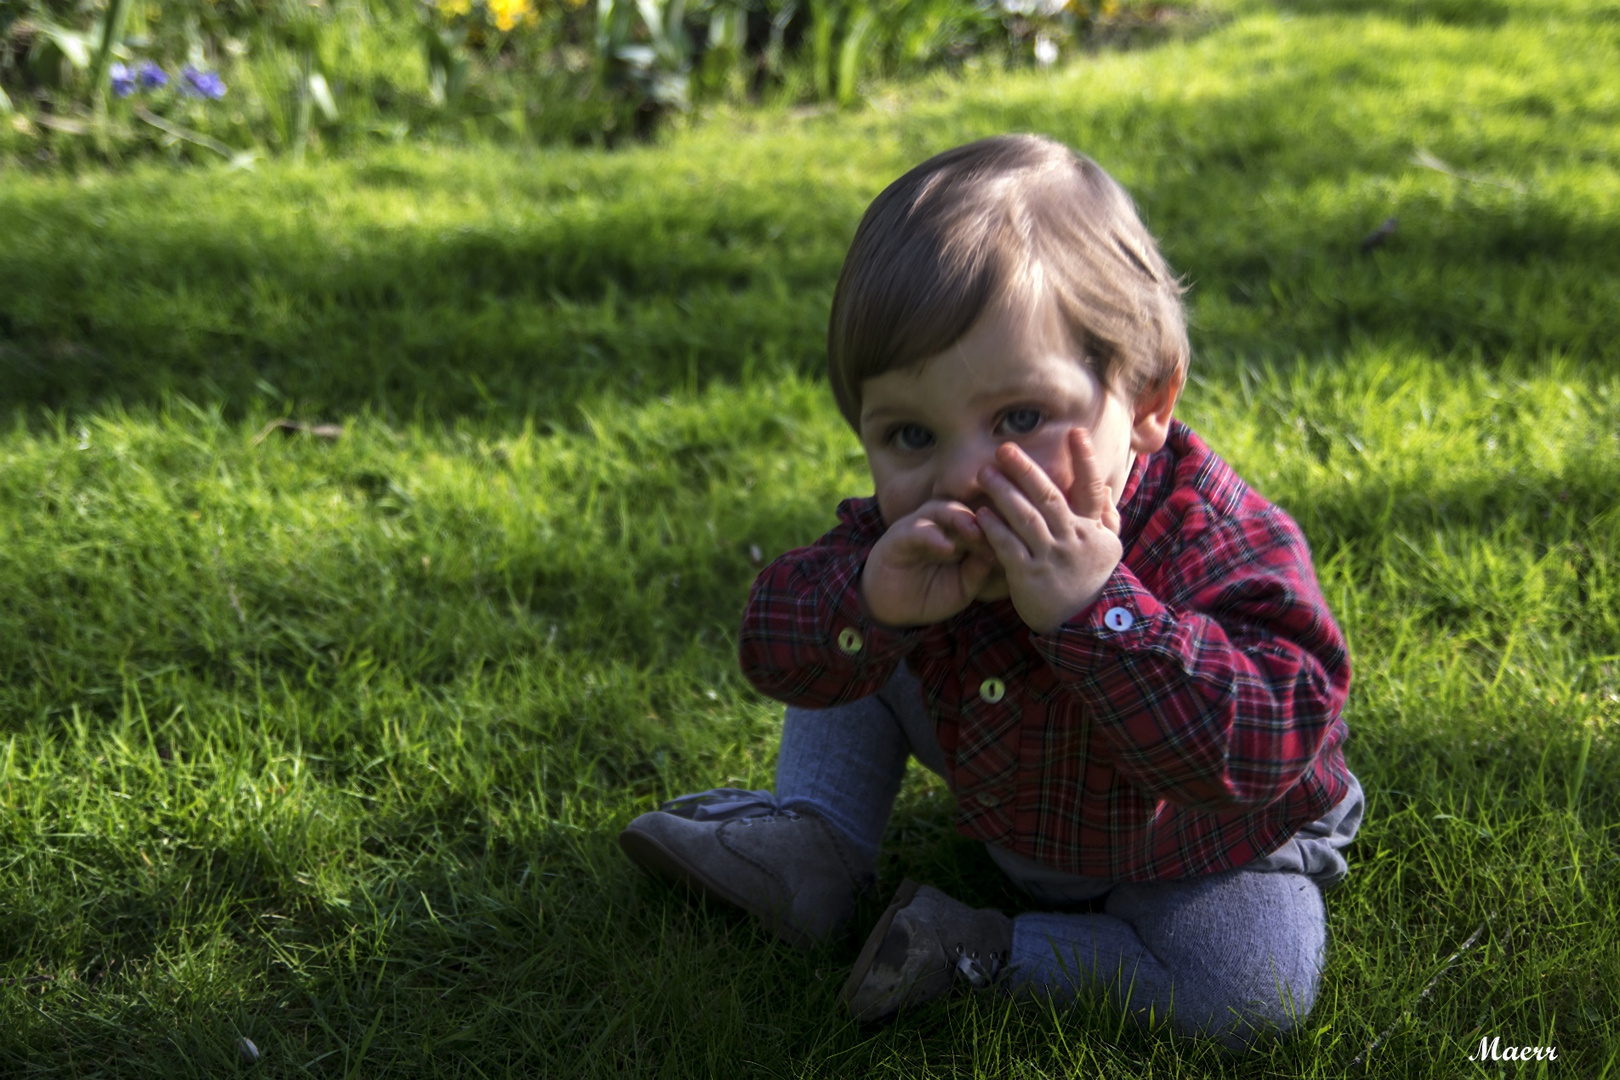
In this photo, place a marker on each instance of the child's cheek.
(897, 499)
(1051, 453)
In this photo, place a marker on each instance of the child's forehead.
(1014, 338)
(985, 368)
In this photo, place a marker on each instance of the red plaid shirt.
(1187, 722)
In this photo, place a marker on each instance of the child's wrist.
(866, 611)
(1080, 612)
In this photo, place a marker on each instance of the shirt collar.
(1148, 483)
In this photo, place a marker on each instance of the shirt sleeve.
(806, 638)
(1217, 690)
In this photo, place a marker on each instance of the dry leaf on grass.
(330, 432)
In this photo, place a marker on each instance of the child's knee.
(1244, 951)
(1242, 1008)
(1235, 1014)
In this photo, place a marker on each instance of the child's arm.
(1218, 686)
(806, 637)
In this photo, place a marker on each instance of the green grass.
(327, 743)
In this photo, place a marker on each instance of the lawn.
(325, 742)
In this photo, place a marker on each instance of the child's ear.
(1154, 405)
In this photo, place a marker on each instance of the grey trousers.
(1231, 955)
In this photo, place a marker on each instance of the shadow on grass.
(1444, 12)
(442, 915)
(1472, 555)
(223, 289)
(461, 939)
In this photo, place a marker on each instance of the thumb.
(975, 570)
(1110, 514)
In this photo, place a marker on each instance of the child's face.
(930, 431)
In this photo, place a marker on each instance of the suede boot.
(925, 944)
(792, 871)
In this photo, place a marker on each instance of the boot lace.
(727, 804)
(979, 973)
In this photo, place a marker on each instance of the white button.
(849, 641)
(986, 799)
(992, 690)
(1119, 619)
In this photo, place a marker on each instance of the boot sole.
(874, 941)
(659, 861)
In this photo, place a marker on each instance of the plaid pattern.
(1198, 737)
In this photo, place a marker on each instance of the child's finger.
(1015, 510)
(1009, 547)
(924, 539)
(976, 569)
(1089, 497)
(942, 511)
(947, 531)
(1110, 518)
(1036, 486)
(957, 519)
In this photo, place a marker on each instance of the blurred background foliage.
(103, 80)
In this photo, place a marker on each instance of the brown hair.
(988, 221)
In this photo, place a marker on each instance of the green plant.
(319, 76)
(111, 36)
(325, 742)
(854, 39)
(645, 46)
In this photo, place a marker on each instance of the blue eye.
(1020, 421)
(911, 437)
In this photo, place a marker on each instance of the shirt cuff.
(860, 639)
(1125, 617)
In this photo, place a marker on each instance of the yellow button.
(849, 641)
(992, 690)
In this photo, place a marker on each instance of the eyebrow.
(1033, 388)
(1044, 388)
(1040, 388)
(883, 414)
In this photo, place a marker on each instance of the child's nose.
(959, 473)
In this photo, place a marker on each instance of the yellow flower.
(452, 8)
(508, 13)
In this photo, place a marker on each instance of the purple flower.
(123, 81)
(150, 77)
(202, 83)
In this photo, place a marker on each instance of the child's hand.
(1057, 552)
(928, 566)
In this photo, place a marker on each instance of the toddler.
(1059, 599)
